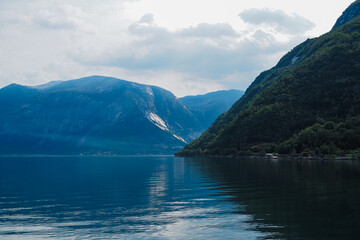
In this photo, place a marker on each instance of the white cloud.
(277, 19)
(61, 17)
(195, 49)
(206, 30)
(147, 18)
(179, 45)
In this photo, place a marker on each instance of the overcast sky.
(185, 46)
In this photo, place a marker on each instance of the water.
(178, 198)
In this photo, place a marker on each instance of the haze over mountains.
(308, 103)
(103, 115)
(206, 108)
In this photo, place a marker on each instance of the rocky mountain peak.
(350, 13)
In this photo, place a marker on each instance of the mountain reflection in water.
(177, 198)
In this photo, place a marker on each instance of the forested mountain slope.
(318, 82)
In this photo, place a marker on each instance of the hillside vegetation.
(308, 102)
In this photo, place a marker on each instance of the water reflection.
(121, 198)
(178, 198)
(293, 199)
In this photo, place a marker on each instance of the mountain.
(208, 107)
(351, 12)
(94, 115)
(308, 102)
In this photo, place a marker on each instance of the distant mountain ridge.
(94, 115)
(308, 102)
(208, 107)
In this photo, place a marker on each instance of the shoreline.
(269, 157)
(274, 157)
(78, 155)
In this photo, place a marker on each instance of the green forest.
(308, 104)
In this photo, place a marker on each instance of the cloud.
(207, 54)
(59, 40)
(51, 20)
(44, 15)
(205, 50)
(209, 30)
(147, 18)
(146, 26)
(278, 19)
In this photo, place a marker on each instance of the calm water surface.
(178, 198)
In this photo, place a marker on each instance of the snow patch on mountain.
(180, 138)
(149, 91)
(155, 119)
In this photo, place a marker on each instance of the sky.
(185, 46)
